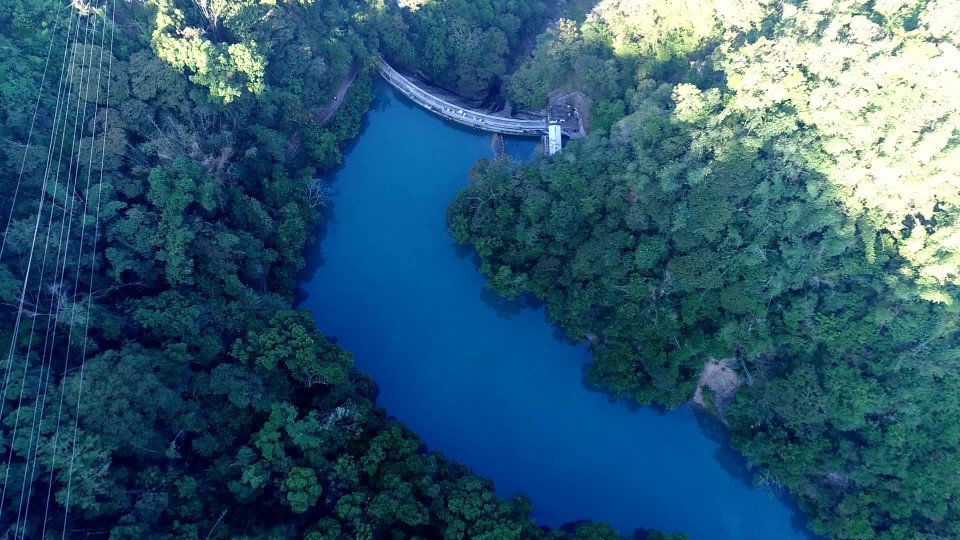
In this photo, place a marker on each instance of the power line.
(39, 402)
(67, 223)
(93, 255)
(41, 200)
(27, 273)
(28, 486)
(46, 176)
(33, 123)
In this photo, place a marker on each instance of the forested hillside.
(774, 189)
(461, 45)
(158, 383)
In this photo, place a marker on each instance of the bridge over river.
(471, 117)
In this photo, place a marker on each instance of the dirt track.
(325, 114)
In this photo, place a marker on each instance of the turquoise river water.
(491, 384)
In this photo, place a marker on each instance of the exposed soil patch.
(717, 385)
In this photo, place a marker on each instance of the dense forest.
(158, 198)
(461, 45)
(771, 190)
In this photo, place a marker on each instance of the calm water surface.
(492, 387)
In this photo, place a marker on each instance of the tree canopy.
(160, 383)
(459, 44)
(771, 186)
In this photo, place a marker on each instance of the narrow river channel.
(491, 384)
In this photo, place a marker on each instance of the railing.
(459, 114)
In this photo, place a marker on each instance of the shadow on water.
(384, 97)
(571, 529)
(728, 458)
(462, 251)
(736, 465)
(506, 308)
(559, 333)
(508, 139)
(313, 258)
(380, 103)
(631, 404)
(503, 307)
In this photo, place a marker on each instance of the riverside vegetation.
(206, 406)
(772, 187)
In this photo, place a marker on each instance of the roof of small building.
(563, 110)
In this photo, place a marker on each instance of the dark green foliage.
(797, 223)
(459, 44)
(210, 408)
